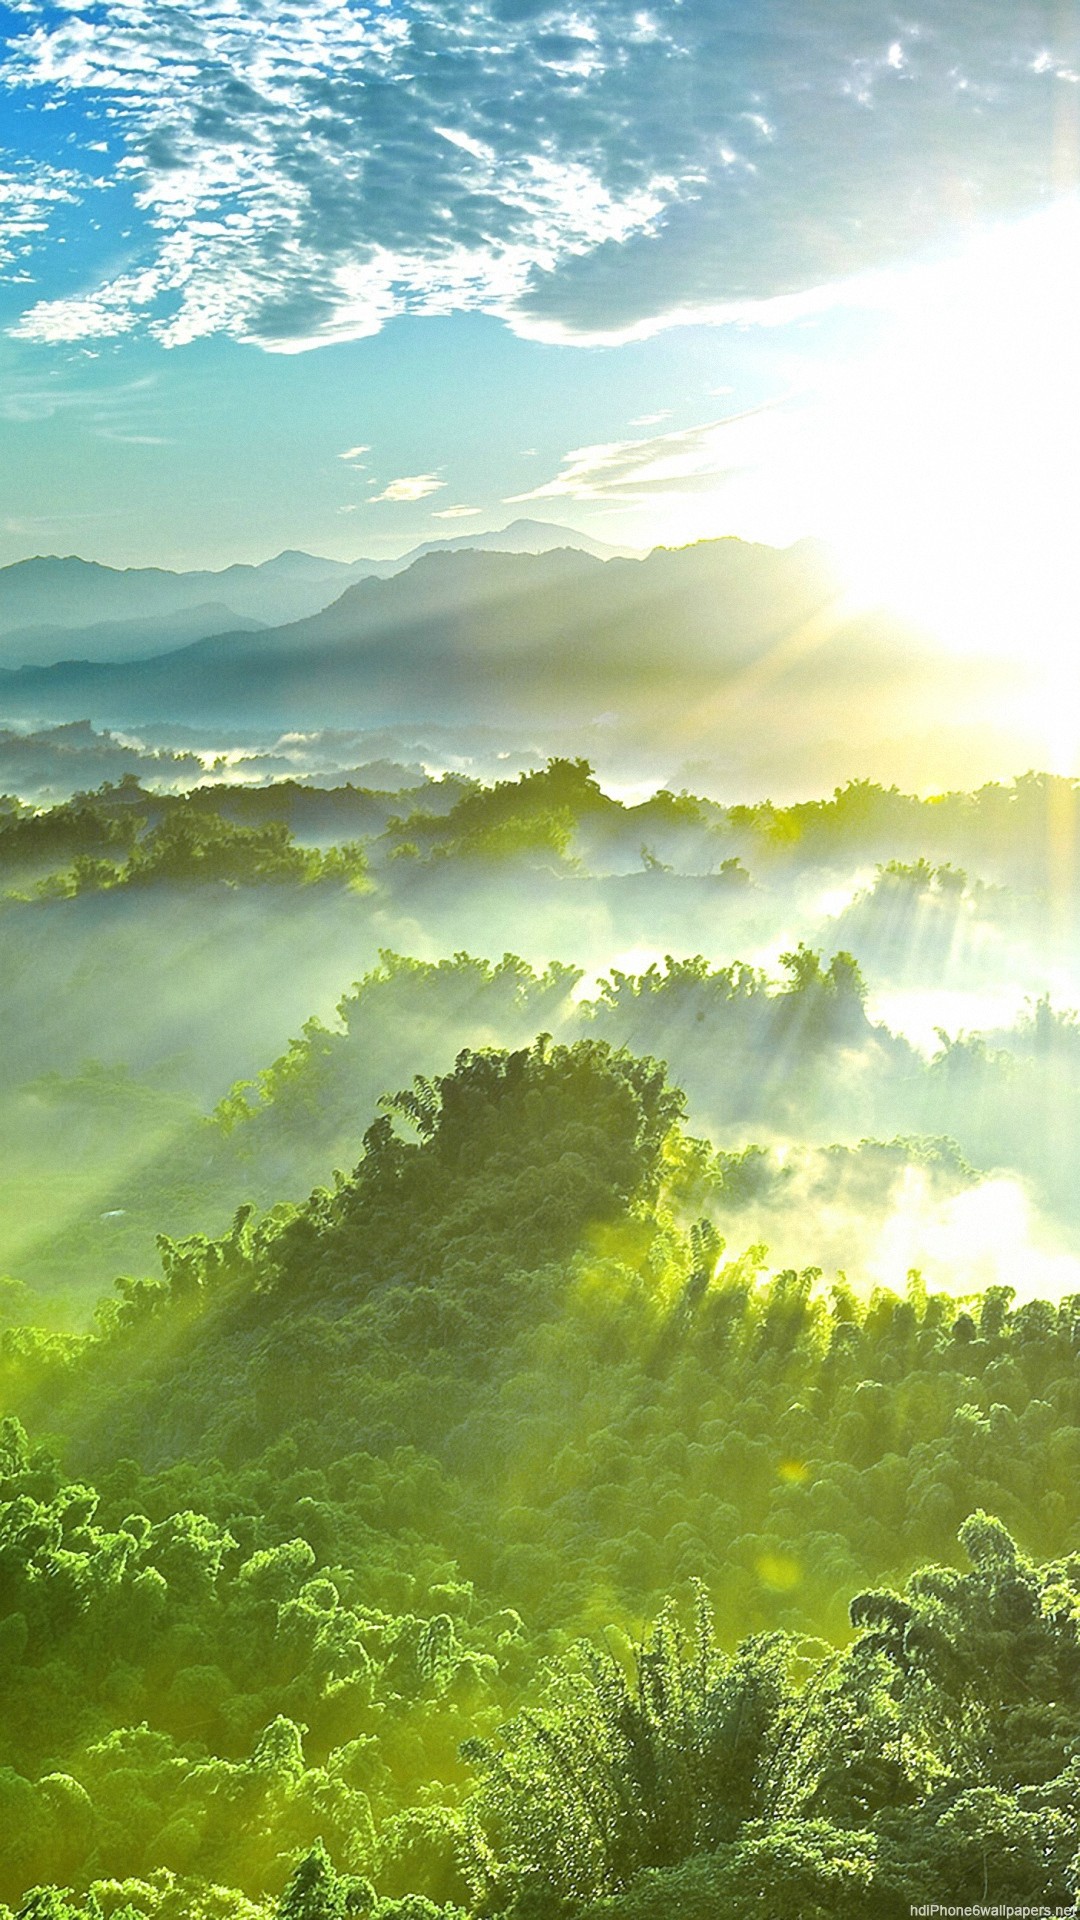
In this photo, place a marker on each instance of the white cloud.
(412, 486)
(29, 193)
(304, 170)
(755, 473)
(353, 453)
(111, 310)
(307, 169)
(456, 513)
(635, 472)
(478, 148)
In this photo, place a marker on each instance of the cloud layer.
(306, 169)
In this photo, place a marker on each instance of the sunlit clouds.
(308, 172)
(675, 478)
(411, 486)
(839, 254)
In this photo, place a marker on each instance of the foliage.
(347, 1473)
(626, 1771)
(473, 1534)
(192, 846)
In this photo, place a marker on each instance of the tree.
(316, 1891)
(632, 1767)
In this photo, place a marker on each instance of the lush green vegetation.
(190, 846)
(798, 1056)
(1024, 833)
(468, 1531)
(344, 1485)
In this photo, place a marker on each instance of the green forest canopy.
(483, 1478)
(297, 1616)
(1026, 831)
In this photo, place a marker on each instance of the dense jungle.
(543, 1382)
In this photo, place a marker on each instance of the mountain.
(122, 639)
(719, 642)
(54, 609)
(521, 536)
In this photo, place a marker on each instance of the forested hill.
(1022, 832)
(377, 1512)
(289, 1632)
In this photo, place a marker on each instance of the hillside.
(840, 988)
(739, 664)
(539, 1068)
(468, 635)
(99, 605)
(344, 1479)
(489, 1417)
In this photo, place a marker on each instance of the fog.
(807, 1088)
(866, 969)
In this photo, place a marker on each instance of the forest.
(545, 1384)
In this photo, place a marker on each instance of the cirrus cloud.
(691, 459)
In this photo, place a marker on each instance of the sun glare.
(953, 477)
(941, 463)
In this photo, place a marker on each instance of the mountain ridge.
(46, 595)
(712, 635)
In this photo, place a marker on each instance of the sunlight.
(952, 485)
(922, 1014)
(938, 461)
(986, 1236)
(840, 895)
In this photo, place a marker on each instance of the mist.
(730, 667)
(811, 983)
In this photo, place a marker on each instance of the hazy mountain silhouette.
(693, 644)
(521, 536)
(54, 609)
(122, 639)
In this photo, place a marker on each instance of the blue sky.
(347, 276)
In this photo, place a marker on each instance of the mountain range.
(61, 609)
(698, 645)
(726, 666)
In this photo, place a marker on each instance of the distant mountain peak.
(523, 536)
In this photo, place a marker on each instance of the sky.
(344, 277)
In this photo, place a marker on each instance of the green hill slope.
(336, 1487)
